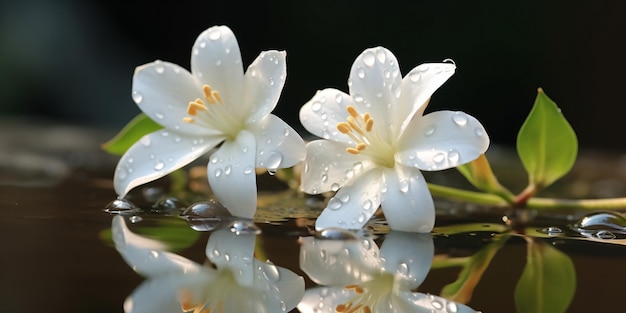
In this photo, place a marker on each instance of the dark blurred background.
(72, 60)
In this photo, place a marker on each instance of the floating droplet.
(241, 227)
(168, 204)
(459, 118)
(121, 206)
(205, 215)
(137, 97)
(604, 234)
(135, 219)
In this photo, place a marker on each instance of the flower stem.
(466, 195)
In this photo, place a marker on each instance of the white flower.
(216, 105)
(358, 277)
(378, 140)
(239, 283)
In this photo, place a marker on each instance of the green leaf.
(133, 131)
(546, 143)
(548, 282)
(462, 289)
(479, 173)
(173, 231)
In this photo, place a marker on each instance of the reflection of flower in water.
(358, 277)
(237, 283)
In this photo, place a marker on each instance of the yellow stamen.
(216, 96)
(367, 309)
(195, 106)
(361, 146)
(368, 125)
(212, 96)
(341, 308)
(352, 111)
(354, 309)
(188, 120)
(355, 127)
(352, 150)
(344, 127)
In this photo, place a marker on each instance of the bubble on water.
(551, 231)
(121, 206)
(242, 227)
(604, 234)
(135, 219)
(205, 215)
(333, 233)
(602, 225)
(168, 204)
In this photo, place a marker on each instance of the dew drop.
(286, 132)
(218, 172)
(381, 56)
(403, 268)
(145, 141)
(158, 165)
(404, 185)
(160, 69)
(459, 118)
(216, 253)
(369, 58)
(453, 156)
(336, 234)
(552, 230)
(274, 160)
(357, 166)
(122, 173)
(415, 76)
(358, 98)
(218, 62)
(165, 133)
(227, 169)
(423, 68)
(479, 132)
(360, 72)
(324, 178)
(436, 304)
(248, 170)
(334, 187)
(334, 203)
(452, 307)
(215, 34)
(137, 96)
(338, 98)
(159, 115)
(604, 234)
(345, 197)
(361, 217)
(430, 130)
(367, 205)
(439, 157)
(270, 272)
(367, 244)
(316, 106)
(349, 174)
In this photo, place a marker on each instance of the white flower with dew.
(216, 105)
(355, 276)
(237, 283)
(377, 139)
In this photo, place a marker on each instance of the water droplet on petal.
(316, 106)
(361, 217)
(215, 34)
(137, 97)
(336, 234)
(159, 115)
(479, 132)
(459, 118)
(453, 156)
(274, 160)
(369, 58)
(248, 170)
(338, 98)
(404, 185)
(430, 130)
(357, 98)
(381, 56)
(439, 157)
(122, 173)
(334, 203)
(367, 205)
(324, 178)
(345, 197)
(403, 268)
(270, 272)
(227, 169)
(135, 219)
(145, 141)
(334, 187)
(415, 76)
(360, 72)
(218, 172)
(159, 165)
(452, 307)
(160, 69)
(449, 61)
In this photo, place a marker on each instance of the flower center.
(360, 128)
(367, 295)
(214, 115)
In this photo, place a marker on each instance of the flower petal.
(375, 82)
(323, 112)
(417, 87)
(284, 289)
(409, 255)
(216, 61)
(354, 203)
(232, 177)
(162, 294)
(407, 203)
(441, 140)
(328, 166)
(324, 299)
(418, 302)
(146, 256)
(277, 144)
(227, 249)
(326, 262)
(264, 81)
(163, 91)
(158, 154)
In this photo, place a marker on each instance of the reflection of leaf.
(548, 281)
(174, 232)
(462, 289)
(135, 129)
(546, 143)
